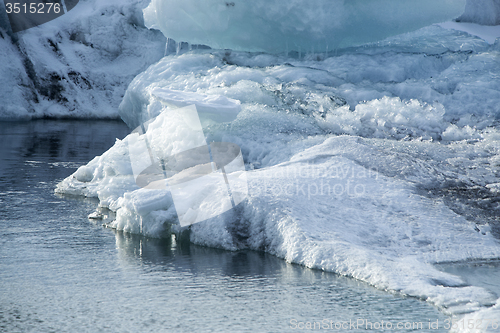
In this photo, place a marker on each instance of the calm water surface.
(60, 272)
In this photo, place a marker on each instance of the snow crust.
(295, 25)
(326, 208)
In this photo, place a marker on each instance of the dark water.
(60, 272)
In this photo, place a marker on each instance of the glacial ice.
(80, 64)
(484, 12)
(334, 206)
(294, 25)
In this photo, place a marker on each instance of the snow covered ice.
(78, 65)
(369, 133)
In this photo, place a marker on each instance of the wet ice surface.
(61, 272)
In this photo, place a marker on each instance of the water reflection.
(167, 254)
(254, 288)
(32, 149)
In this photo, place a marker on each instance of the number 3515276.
(33, 8)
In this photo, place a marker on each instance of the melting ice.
(294, 25)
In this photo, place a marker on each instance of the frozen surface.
(294, 25)
(77, 65)
(488, 33)
(80, 64)
(329, 208)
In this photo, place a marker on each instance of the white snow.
(352, 161)
(14, 99)
(78, 65)
(324, 208)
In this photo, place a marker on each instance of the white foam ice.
(325, 208)
(294, 25)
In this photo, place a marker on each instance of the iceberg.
(330, 207)
(80, 64)
(356, 164)
(484, 12)
(296, 25)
